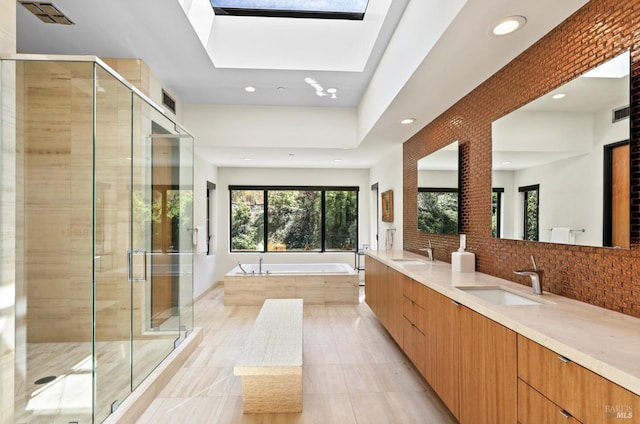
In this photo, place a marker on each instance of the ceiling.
(407, 58)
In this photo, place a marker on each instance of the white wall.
(388, 174)
(285, 177)
(204, 265)
(571, 190)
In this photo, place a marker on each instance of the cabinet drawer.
(414, 345)
(589, 397)
(414, 313)
(416, 292)
(533, 408)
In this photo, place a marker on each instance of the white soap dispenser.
(462, 261)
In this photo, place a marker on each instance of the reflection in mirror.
(438, 191)
(561, 163)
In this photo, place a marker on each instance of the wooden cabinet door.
(488, 370)
(533, 408)
(372, 282)
(587, 396)
(394, 299)
(443, 347)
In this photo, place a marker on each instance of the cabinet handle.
(565, 413)
(564, 359)
(456, 303)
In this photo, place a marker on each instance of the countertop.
(603, 341)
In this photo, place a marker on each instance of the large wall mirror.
(438, 191)
(561, 163)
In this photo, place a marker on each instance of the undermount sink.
(500, 296)
(410, 261)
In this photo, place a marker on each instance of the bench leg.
(272, 393)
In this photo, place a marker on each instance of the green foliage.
(438, 212)
(531, 218)
(294, 220)
(341, 220)
(246, 211)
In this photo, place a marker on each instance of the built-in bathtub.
(316, 284)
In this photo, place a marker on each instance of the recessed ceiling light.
(337, 160)
(408, 121)
(558, 96)
(247, 159)
(506, 162)
(250, 89)
(509, 25)
(281, 88)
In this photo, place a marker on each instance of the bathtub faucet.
(260, 265)
(240, 266)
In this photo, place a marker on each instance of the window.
(496, 211)
(438, 210)
(530, 211)
(322, 9)
(210, 187)
(171, 214)
(293, 219)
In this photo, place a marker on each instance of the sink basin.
(409, 261)
(500, 296)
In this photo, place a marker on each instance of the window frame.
(265, 216)
(526, 190)
(449, 190)
(499, 191)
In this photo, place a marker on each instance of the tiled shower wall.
(605, 277)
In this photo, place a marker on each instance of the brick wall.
(610, 278)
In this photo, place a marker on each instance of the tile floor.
(352, 373)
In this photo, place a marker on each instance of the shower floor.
(68, 398)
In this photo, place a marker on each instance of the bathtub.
(316, 284)
(335, 268)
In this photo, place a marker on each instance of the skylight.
(318, 9)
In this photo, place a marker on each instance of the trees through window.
(293, 219)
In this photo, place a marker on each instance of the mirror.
(561, 163)
(438, 191)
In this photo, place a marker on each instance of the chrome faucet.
(240, 265)
(260, 265)
(535, 274)
(429, 252)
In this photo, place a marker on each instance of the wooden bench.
(270, 366)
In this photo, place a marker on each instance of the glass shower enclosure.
(104, 243)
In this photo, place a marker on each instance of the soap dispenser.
(463, 261)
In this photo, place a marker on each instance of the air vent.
(47, 12)
(621, 113)
(169, 102)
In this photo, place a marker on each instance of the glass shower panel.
(188, 234)
(112, 290)
(54, 241)
(103, 241)
(155, 323)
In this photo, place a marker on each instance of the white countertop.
(604, 341)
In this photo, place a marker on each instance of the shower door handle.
(130, 255)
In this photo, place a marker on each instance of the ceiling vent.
(47, 12)
(620, 114)
(169, 102)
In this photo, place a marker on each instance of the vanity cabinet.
(442, 349)
(583, 394)
(533, 408)
(488, 369)
(414, 318)
(383, 294)
(473, 363)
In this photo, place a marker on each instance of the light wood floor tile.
(353, 372)
(323, 379)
